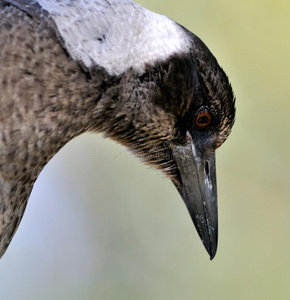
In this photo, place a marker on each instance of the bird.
(113, 67)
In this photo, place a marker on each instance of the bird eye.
(203, 119)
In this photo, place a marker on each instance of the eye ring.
(203, 118)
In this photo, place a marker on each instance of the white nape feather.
(115, 34)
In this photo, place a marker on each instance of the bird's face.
(179, 122)
(203, 108)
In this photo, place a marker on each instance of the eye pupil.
(203, 119)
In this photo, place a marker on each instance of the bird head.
(174, 116)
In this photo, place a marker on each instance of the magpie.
(112, 67)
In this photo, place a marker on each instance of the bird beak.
(198, 190)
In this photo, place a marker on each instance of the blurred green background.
(101, 225)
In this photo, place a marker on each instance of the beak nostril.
(206, 169)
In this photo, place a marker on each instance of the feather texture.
(115, 34)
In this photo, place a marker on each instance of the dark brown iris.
(203, 119)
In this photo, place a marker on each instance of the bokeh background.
(101, 225)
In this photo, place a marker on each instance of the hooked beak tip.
(212, 252)
(209, 240)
